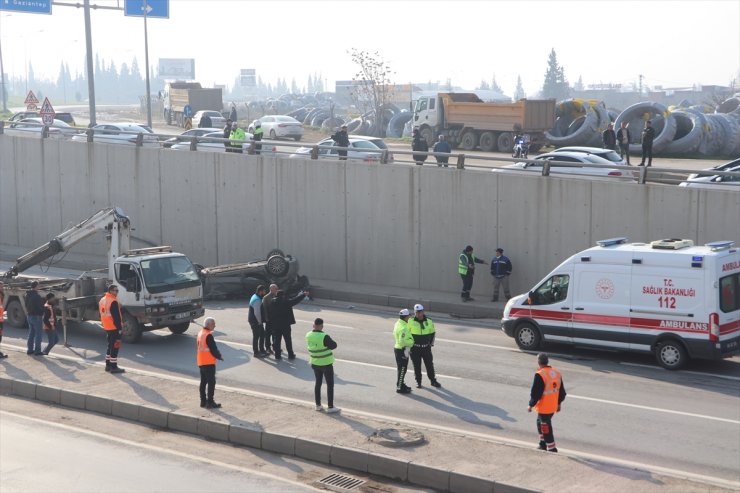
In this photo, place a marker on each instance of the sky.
(670, 43)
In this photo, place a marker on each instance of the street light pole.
(90, 68)
(146, 60)
(2, 76)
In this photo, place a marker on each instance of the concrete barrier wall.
(400, 226)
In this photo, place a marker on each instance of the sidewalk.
(445, 461)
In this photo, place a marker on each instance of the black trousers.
(320, 372)
(278, 334)
(114, 344)
(258, 337)
(402, 364)
(544, 428)
(647, 151)
(417, 355)
(467, 280)
(207, 380)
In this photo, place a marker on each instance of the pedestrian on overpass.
(227, 134)
(50, 322)
(422, 330)
(257, 137)
(320, 351)
(256, 322)
(2, 317)
(419, 143)
(205, 121)
(266, 317)
(341, 139)
(206, 357)
(402, 349)
(546, 396)
(442, 146)
(281, 317)
(111, 317)
(237, 138)
(466, 268)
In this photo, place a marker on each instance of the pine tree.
(578, 85)
(484, 85)
(495, 86)
(519, 91)
(555, 86)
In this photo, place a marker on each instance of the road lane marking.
(653, 367)
(154, 448)
(328, 325)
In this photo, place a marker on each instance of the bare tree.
(372, 85)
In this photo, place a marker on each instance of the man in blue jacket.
(500, 270)
(256, 320)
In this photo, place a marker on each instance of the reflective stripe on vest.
(105, 314)
(320, 355)
(548, 403)
(204, 356)
(462, 263)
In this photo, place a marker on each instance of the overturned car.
(230, 280)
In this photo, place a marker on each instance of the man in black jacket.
(227, 135)
(419, 144)
(205, 121)
(281, 318)
(623, 138)
(609, 138)
(648, 135)
(35, 313)
(341, 139)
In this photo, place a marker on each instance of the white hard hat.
(257, 123)
(405, 312)
(418, 307)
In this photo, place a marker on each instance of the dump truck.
(157, 287)
(179, 95)
(467, 122)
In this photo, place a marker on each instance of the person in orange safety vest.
(548, 392)
(207, 354)
(111, 316)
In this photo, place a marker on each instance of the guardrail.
(641, 175)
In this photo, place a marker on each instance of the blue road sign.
(188, 110)
(135, 8)
(28, 6)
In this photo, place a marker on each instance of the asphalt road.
(619, 405)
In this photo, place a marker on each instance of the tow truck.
(157, 287)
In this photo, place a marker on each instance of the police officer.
(548, 392)
(257, 136)
(404, 341)
(466, 268)
(111, 317)
(422, 330)
(320, 347)
(207, 354)
(236, 138)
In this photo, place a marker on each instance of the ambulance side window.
(551, 291)
(729, 293)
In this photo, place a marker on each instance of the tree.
(519, 92)
(483, 85)
(495, 86)
(556, 85)
(578, 86)
(372, 84)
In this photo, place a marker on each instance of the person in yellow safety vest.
(111, 316)
(404, 341)
(257, 136)
(466, 268)
(206, 356)
(320, 347)
(237, 138)
(546, 396)
(423, 332)
(2, 317)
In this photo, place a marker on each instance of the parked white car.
(569, 163)
(120, 134)
(716, 182)
(279, 126)
(607, 154)
(34, 126)
(217, 119)
(184, 137)
(214, 142)
(362, 147)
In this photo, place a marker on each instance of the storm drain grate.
(340, 482)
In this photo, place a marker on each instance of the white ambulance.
(668, 297)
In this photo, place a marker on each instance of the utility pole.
(90, 68)
(146, 61)
(639, 85)
(2, 77)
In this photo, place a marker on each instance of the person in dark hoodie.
(35, 313)
(419, 144)
(281, 318)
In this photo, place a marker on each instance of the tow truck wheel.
(16, 315)
(275, 251)
(131, 329)
(277, 265)
(527, 337)
(179, 328)
(671, 355)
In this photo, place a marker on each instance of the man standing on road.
(623, 137)
(648, 135)
(442, 146)
(111, 317)
(2, 317)
(207, 354)
(466, 268)
(609, 137)
(500, 270)
(341, 139)
(35, 311)
(402, 349)
(50, 322)
(227, 134)
(256, 323)
(423, 332)
(281, 317)
(266, 300)
(547, 393)
(321, 357)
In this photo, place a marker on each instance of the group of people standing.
(237, 137)
(621, 137)
(501, 268)
(41, 316)
(420, 147)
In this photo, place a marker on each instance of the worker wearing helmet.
(257, 136)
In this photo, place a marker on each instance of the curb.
(243, 435)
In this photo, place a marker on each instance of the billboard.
(248, 77)
(177, 68)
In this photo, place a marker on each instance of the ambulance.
(668, 297)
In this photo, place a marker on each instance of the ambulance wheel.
(527, 337)
(671, 355)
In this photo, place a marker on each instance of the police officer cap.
(418, 307)
(405, 312)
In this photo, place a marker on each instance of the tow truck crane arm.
(112, 220)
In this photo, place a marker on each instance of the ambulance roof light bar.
(612, 242)
(719, 245)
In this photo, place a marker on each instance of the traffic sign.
(30, 97)
(47, 112)
(154, 8)
(27, 6)
(188, 110)
(47, 119)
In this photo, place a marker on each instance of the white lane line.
(703, 374)
(328, 325)
(154, 448)
(447, 429)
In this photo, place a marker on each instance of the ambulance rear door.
(601, 305)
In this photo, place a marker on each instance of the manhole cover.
(397, 437)
(340, 482)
